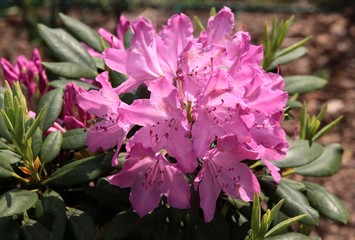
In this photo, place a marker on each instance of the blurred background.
(331, 55)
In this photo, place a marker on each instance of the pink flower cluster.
(212, 110)
(30, 73)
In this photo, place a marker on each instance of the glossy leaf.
(4, 132)
(32, 230)
(80, 226)
(80, 171)
(50, 212)
(326, 202)
(9, 229)
(35, 123)
(327, 164)
(63, 82)
(16, 202)
(36, 142)
(303, 84)
(287, 58)
(301, 152)
(295, 202)
(74, 139)
(290, 236)
(121, 226)
(9, 157)
(70, 70)
(65, 47)
(82, 31)
(52, 102)
(6, 170)
(283, 225)
(51, 147)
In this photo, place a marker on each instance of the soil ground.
(331, 53)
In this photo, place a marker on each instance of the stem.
(34, 173)
(288, 171)
(258, 163)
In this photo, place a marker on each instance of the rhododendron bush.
(162, 132)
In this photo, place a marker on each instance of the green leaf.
(65, 47)
(10, 157)
(327, 129)
(63, 83)
(82, 32)
(295, 202)
(9, 229)
(303, 83)
(36, 142)
(32, 230)
(326, 202)
(300, 153)
(35, 124)
(287, 58)
(52, 101)
(126, 222)
(4, 132)
(50, 212)
(327, 164)
(106, 194)
(74, 139)
(16, 202)
(279, 228)
(80, 225)
(275, 210)
(70, 69)
(6, 170)
(293, 104)
(80, 171)
(117, 78)
(255, 216)
(290, 236)
(292, 183)
(51, 147)
(293, 47)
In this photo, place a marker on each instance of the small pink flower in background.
(72, 114)
(110, 131)
(150, 175)
(222, 170)
(30, 74)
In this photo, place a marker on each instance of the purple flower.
(150, 175)
(73, 115)
(164, 124)
(222, 170)
(110, 131)
(30, 74)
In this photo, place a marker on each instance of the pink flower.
(73, 115)
(151, 55)
(114, 41)
(31, 75)
(150, 175)
(110, 131)
(223, 170)
(165, 125)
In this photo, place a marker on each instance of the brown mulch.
(331, 53)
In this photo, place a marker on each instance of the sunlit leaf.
(326, 202)
(327, 164)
